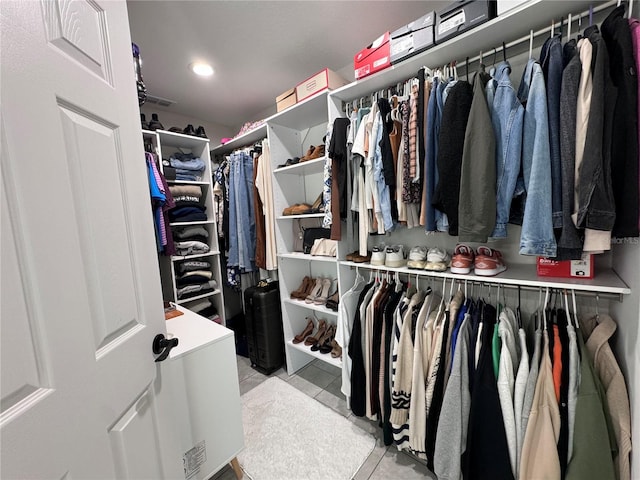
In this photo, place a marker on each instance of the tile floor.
(322, 382)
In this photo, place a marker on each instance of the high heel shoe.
(321, 299)
(327, 344)
(333, 301)
(313, 339)
(328, 335)
(308, 330)
(317, 289)
(316, 207)
(301, 289)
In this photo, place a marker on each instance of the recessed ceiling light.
(202, 69)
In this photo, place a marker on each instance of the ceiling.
(258, 49)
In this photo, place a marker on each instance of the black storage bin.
(264, 327)
(461, 16)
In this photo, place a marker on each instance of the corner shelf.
(325, 357)
(307, 215)
(310, 306)
(179, 258)
(199, 297)
(303, 168)
(242, 140)
(307, 257)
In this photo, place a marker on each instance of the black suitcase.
(264, 327)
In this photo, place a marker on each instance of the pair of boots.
(154, 124)
(313, 153)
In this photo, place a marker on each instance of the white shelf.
(325, 357)
(307, 257)
(198, 297)
(310, 112)
(243, 140)
(307, 215)
(187, 182)
(311, 306)
(303, 168)
(515, 23)
(197, 222)
(524, 275)
(148, 133)
(177, 258)
(173, 139)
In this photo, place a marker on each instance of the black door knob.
(162, 346)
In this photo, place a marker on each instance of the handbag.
(310, 235)
(299, 226)
(324, 247)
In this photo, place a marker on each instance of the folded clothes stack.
(189, 291)
(187, 166)
(188, 207)
(191, 248)
(195, 233)
(206, 308)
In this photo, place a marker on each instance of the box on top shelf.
(286, 99)
(583, 268)
(413, 38)
(373, 58)
(506, 5)
(461, 16)
(324, 79)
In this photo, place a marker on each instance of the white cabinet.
(165, 144)
(200, 382)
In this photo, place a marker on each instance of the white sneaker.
(437, 260)
(417, 257)
(378, 254)
(395, 256)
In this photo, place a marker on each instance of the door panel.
(81, 296)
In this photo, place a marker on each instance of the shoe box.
(413, 38)
(461, 16)
(323, 80)
(374, 57)
(286, 100)
(583, 268)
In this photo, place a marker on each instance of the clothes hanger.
(504, 52)
(518, 311)
(544, 310)
(597, 305)
(530, 44)
(575, 310)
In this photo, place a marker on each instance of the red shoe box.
(373, 58)
(584, 268)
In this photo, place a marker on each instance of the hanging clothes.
(242, 225)
(264, 185)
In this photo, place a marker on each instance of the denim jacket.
(537, 236)
(507, 116)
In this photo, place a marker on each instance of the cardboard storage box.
(461, 16)
(413, 38)
(324, 79)
(583, 268)
(373, 58)
(506, 5)
(286, 99)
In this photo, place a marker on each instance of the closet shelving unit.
(167, 143)
(290, 133)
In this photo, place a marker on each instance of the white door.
(81, 298)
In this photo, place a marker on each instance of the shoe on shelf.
(437, 260)
(362, 258)
(336, 350)
(189, 130)
(175, 130)
(395, 256)
(289, 162)
(417, 257)
(352, 255)
(297, 209)
(488, 262)
(301, 289)
(333, 301)
(315, 292)
(200, 132)
(327, 344)
(308, 154)
(324, 293)
(314, 339)
(308, 330)
(378, 254)
(143, 122)
(317, 206)
(463, 259)
(318, 152)
(155, 124)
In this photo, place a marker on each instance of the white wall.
(169, 119)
